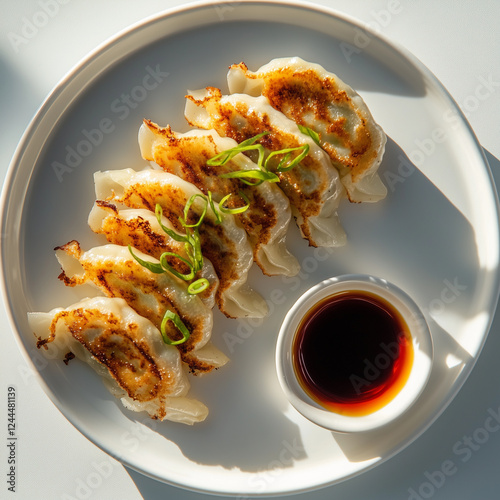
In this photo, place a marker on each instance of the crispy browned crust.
(293, 183)
(137, 233)
(128, 359)
(296, 93)
(187, 158)
(109, 277)
(147, 197)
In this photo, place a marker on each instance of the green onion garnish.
(165, 265)
(252, 140)
(260, 176)
(175, 236)
(152, 266)
(187, 208)
(218, 218)
(247, 145)
(193, 250)
(310, 132)
(176, 320)
(192, 245)
(198, 286)
(285, 164)
(254, 177)
(237, 210)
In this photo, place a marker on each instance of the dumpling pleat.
(268, 216)
(315, 98)
(113, 270)
(226, 244)
(125, 349)
(313, 187)
(140, 229)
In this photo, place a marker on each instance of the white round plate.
(435, 236)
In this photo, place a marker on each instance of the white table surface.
(460, 43)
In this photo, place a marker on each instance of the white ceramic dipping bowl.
(418, 374)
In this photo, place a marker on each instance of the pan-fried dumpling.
(267, 218)
(126, 350)
(140, 229)
(313, 186)
(319, 100)
(114, 271)
(226, 244)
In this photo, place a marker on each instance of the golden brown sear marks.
(187, 157)
(128, 359)
(138, 287)
(138, 233)
(216, 246)
(147, 196)
(305, 184)
(220, 250)
(306, 98)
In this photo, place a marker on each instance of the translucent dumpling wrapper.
(268, 215)
(140, 229)
(126, 350)
(116, 273)
(321, 101)
(225, 244)
(313, 186)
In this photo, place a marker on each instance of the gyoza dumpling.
(226, 244)
(113, 270)
(267, 218)
(140, 229)
(126, 350)
(313, 186)
(321, 101)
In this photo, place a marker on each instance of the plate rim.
(101, 49)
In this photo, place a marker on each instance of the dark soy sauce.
(352, 352)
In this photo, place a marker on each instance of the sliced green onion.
(237, 210)
(310, 132)
(255, 177)
(193, 249)
(192, 245)
(253, 139)
(175, 236)
(164, 263)
(218, 218)
(176, 320)
(259, 175)
(188, 207)
(284, 165)
(247, 145)
(227, 155)
(198, 286)
(152, 266)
